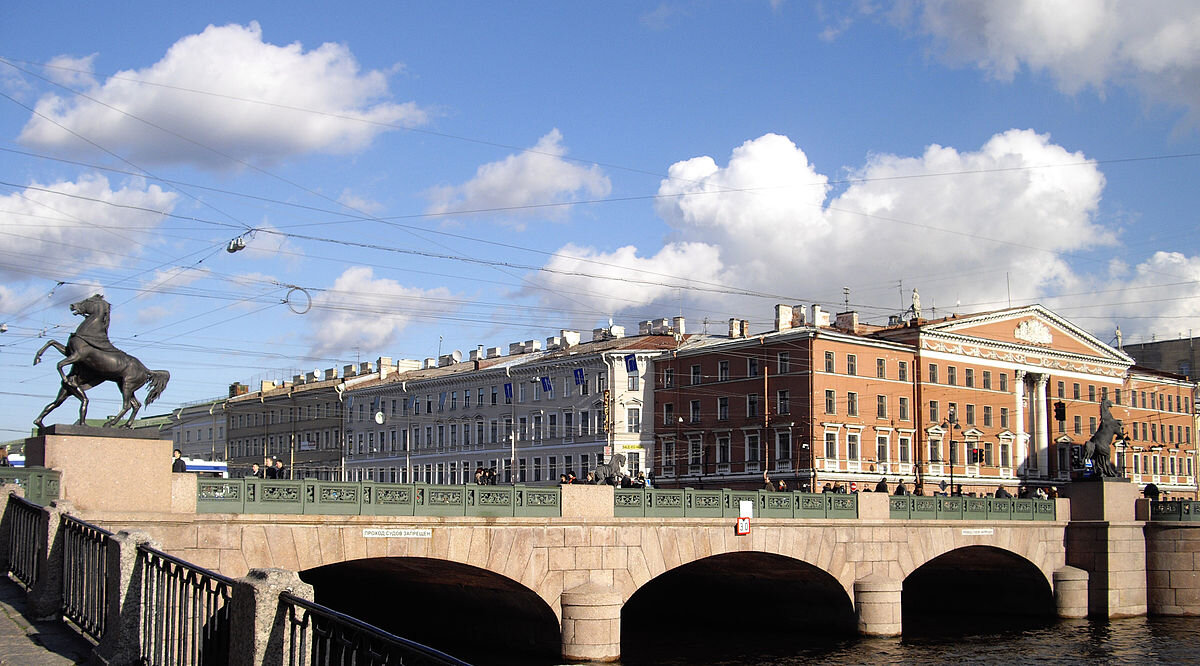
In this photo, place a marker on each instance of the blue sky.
(445, 175)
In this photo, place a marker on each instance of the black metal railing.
(26, 539)
(320, 636)
(85, 574)
(185, 611)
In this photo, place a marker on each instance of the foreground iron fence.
(370, 498)
(85, 574)
(325, 637)
(920, 507)
(185, 611)
(725, 503)
(1184, 511)
(26, 540)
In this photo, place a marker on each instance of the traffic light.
(1060, 411)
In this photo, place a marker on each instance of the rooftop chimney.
(349, 371)
(783, 317)
(847, 321)
(820, 318)
(570, 338)
(798, 312)
(677, 324)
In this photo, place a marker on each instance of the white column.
(1022, 442)
(1040, 426)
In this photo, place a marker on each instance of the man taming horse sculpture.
(94, 360)
(1099, 448)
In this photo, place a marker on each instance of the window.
(784, 362)
(935, 450)
(1004, 417)
(1062, 389)
(783, 402)
(696, 376)
(881, 368)
(1004, 381)
(987, 416)
(724, 450)
(1078, 424)
(1117, 396)
(952, 375)
(987, 380)
(881, 406)
(852, 446)
(1004, 462)
(851, 364)
(668, 377)
(723, 370)
(695, 411)
(694, 452)
(631, 383)
(904, 408)
(881, 448)
(933, 375)
(828, 361)
(751, 367)
(722, 409)
(454, 400)
(830, 401)
(633, 420)
(751, 405)
(752, 447)
(905, 446)
(969, 378)
(852, 404)
(902, 371)
(1075, 391)
(831, 445)
(933, 411)
(668, 413)
(521, 392)
(783, 445)
(970, 414)
(1091, 393)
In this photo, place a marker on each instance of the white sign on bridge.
(397, 533)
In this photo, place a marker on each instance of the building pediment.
(1029, 335)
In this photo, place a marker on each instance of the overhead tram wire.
(353, 118)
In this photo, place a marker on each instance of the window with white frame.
(633, 419)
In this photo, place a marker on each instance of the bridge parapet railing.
(1180, 511)
(26, 540)
(369, 498)
(185, 611)
(40, 484)
(726, 503)
(85, 574)
(920, 507)
(320, 635)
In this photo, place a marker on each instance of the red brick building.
(972, 400)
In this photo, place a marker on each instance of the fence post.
(122, 640)
(258, 626)
(45, 599)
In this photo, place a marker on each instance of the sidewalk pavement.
(28, 642)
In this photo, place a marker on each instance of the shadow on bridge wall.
(474, 614)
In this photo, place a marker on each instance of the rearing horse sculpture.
(94, 360)
(1098, 449)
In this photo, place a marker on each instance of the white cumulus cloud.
(534, 177)
(1152, 46)
(229, 95)
(363, 311)
(60, 229)
(948, 221)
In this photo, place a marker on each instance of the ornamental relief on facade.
(1034, 332)
(1017, 357)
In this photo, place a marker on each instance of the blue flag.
(546, 385)
(508, 391)
(630, 363)
(578, 376)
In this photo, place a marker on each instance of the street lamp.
(951, 424)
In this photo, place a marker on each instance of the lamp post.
(951, 424)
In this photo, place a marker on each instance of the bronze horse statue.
(94, 360)
(1099, 448)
